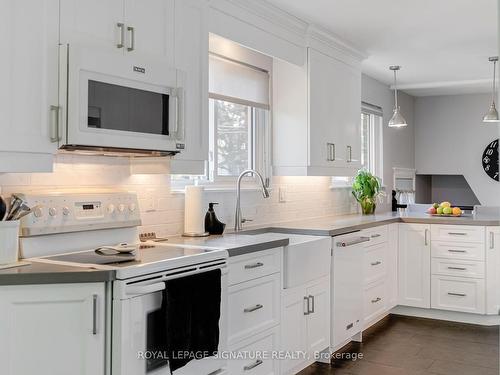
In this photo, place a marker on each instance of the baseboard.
(452, 316)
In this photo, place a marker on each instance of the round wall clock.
(490, 160)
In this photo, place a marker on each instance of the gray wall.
(399, 144)
(450, 138)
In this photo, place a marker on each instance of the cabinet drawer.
(457, 233)
(456, 250)
(251, 266)
(375, 301)
(458, 294)
(253, 306)
(264, 344)
(462, 268)
(377, 235)
(375, 260)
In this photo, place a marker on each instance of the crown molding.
(324, 36)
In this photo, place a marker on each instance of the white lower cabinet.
(305, 323)
(458, 294)
(55, 329)
(254, 355)
(414, 265)
(493, 270)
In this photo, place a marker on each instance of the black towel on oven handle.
(191, 307)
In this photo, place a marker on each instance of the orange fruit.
(456, 211)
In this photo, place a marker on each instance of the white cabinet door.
(493, 270)
(318, 321)
(392, 265)
(414, 265)
(334, 112)
(191, 57)
(149, 28)
(93, 23)
(53, 329)
(29, 36)
(293, 327)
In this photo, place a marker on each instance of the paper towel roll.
(194, 215)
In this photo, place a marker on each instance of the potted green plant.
(366, 189)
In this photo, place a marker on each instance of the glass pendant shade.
(492, 115)
(397, 120)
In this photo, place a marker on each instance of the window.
(371, 139)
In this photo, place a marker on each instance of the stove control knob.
(132, 207)
(111, 208)
(65, 211)
(121, 207)
(52, 211)
(38, 212)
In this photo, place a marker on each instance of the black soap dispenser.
(212, 223)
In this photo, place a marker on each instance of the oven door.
(136, 333)
(120, 101)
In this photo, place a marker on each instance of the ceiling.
(442, 45)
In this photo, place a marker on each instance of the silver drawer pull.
(94, 314)
(376, 263)
(457, 294)
(375, 235)
(253, 365)
(354, 241)
(254, 265)
(306, 306)
(378, 299)
(253, 308)
(457, 234)
(121, 28)
(458, 268)
(457, 251)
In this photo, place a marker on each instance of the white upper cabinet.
(191, 56)
(123, 26)
(316, 113)
(29, 35)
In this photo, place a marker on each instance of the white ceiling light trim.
(397, 120)
(492, 115)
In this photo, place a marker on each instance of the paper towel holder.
(192, 234)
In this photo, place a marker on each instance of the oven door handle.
(134, 290)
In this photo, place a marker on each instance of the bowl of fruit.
(444, 209)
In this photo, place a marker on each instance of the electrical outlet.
(282, 194)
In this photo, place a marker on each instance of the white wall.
(450, 138)
(162, 210)
(399, 143)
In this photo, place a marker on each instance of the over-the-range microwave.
(114, 103)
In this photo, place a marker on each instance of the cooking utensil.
(3, 208)
(22, 211)
(15, 203)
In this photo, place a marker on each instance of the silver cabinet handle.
(378, 299)
(492, 240)
(425, 240)
(375, 235)
(456, 251)
(253, 308)
(376, 263)
(121, 29)
(253, 365)
(254, 265)
(330, 149)
(306, 306)
(311, 298)
(457, 294)
(54, 124)
(349, 154)
(353, 242)
(457, 234)
(94, 314)
(458, 268)
(131, 30)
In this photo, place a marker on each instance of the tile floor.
(413, 346)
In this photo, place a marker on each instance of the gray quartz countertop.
(45, 273)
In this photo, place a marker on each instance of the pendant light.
(397, 120)
(492, 115)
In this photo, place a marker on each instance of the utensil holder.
(9, 241)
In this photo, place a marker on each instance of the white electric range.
(100, 231)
